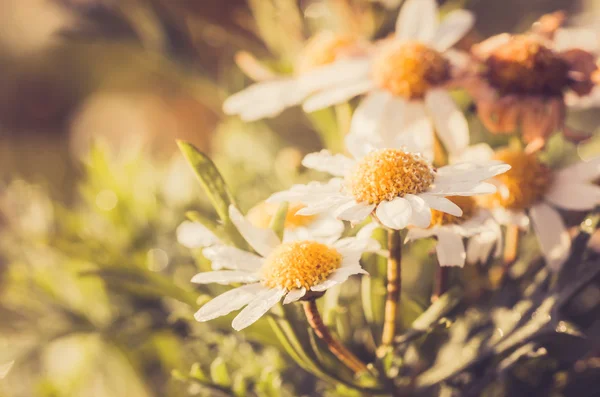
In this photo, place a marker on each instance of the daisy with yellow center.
(525, 79)
(398, 186)
(405, 81)
(269, 98)
(532, 192)
(279, 270)
(476, 225)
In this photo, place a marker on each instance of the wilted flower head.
(523, 80)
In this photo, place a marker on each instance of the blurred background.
(93, 95)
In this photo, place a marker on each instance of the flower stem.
(441, 282)
(512, 245)
(335, 347)
(394, 282)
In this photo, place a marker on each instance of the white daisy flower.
(531, 191)
(269, 98)
(405, 80)
(399, 187)
(476, 224)
(278, 270)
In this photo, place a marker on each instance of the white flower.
(403, 77)
(531, 191)
(398, 186)
(195, 235)
(278, 270)
(481, 230)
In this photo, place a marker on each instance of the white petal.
(574, 196)
(478, 153)
(415, 234)
(262, 240)
(354, 212)
(580, 38)
(462, 189)
(465, 172)
(335, 164)
(367, 231)
(326, 226)
(226, 257)
(506, 217)
(331, 203)
(309, 193)
(415, 133)
(392, 120)
(195, 235)
(417, 20)
(480, 246)
(441, 204)
(294, 295)
(450, 249)
(335, 95)
(394, 214)
(552, 235)
(339, 73)
(261, 304)
(453, 28)
(225, 277)
(264, 99)
(368, 114)
(584, 171)
(421, 213)
(338, 276)
(228, 302)
(450, 123)
(359, 145)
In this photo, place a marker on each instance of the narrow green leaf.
(210, 178)
(278, 221)
(218, 372)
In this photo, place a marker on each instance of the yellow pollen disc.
(521, 186)
(322, 49)
(410, 69)
(524, 65)
(262, 214)
(389, 173)
(299, 264)
(468, 206)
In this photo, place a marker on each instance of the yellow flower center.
(262, 214)
(409, 69)
(299, 264)
(389, 173)
(524, 65)
(521, 186)
(322, 49)
(468, 206)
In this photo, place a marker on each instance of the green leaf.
(278, 221)
(218, 372)
(210, 178)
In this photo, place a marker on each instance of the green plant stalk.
(339, 350)
(394, 282)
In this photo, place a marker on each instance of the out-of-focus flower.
(531, 190)
(405, 78)
(476, 224)
(398, 186)
(287, 271)
(523, 80)
(270, 97)
(297, 227)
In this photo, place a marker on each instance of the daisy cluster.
(408, 164)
